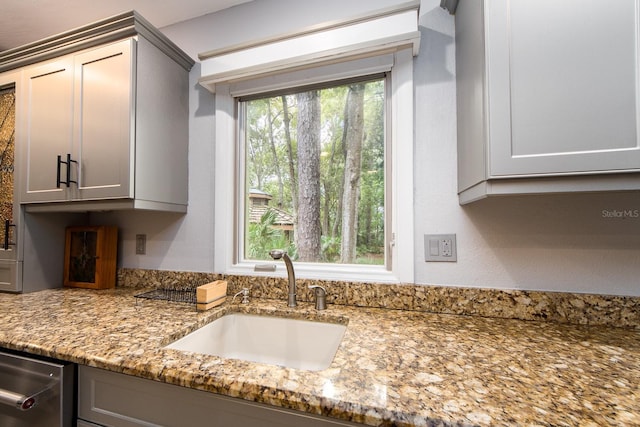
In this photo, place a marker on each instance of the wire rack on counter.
(173, 295)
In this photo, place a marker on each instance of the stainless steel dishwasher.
(35, 392)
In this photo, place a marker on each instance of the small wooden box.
(211, 295)
(90, 257)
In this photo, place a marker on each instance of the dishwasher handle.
(22, 401)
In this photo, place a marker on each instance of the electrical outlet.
(440, 247)
(445, 247)
(141, 244)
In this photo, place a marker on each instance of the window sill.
(344, 273)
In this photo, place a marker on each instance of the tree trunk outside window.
(308, 132)
(354, 130)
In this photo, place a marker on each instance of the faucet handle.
(321, 296)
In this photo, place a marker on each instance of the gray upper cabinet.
(547, 97)
(105, 123)
(79, 125)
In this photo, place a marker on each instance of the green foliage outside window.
(347, 123)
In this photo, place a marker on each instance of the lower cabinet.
(117, 400)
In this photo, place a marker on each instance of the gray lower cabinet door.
(117, 400)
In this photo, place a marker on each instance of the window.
(241, 115)
(313, 163)
(249, 81)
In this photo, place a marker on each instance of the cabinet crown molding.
(115, 28)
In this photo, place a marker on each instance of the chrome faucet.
(277, 254)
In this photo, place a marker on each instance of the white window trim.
(389, 28)
(227, 260)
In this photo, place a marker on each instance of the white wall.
(561, 243)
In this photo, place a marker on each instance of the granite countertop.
(393, 367)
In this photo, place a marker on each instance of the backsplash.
(583, 309)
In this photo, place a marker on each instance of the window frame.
(228, 197)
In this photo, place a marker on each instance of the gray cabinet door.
(46, 116)
(562, 82)
(118, 400)
(103, 121)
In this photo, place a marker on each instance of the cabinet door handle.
(68, 163)
(58, 182)
(7, 226)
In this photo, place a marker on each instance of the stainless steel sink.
(292, 343)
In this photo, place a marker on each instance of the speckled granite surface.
(581, 309)
(393, 367)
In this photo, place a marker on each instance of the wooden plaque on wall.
(90, 257)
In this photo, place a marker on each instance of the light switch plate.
(440, 247)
